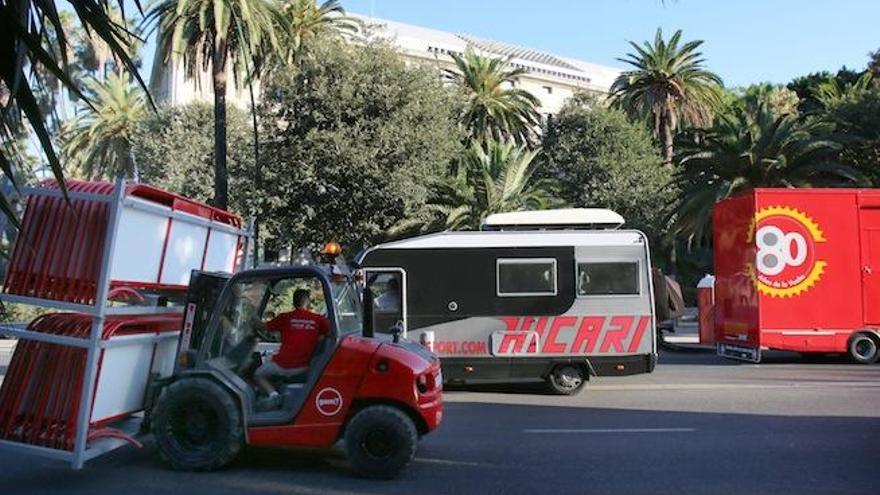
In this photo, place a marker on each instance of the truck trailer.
(554, 295)
(797, 270)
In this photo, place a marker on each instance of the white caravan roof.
(521, 238)
(568, 217)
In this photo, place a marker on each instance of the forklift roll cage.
(229, 378)
(269, 274)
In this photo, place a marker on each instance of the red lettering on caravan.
(510, 338)
(540, 325)
(618, 329)
(637, 336)
(551, 346)
(588, 333)
(511, 323)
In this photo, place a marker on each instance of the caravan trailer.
(554, 295)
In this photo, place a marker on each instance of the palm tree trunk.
(666, 139)
(221, 188)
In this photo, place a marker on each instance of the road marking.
(609, 430)
(734, 386)
(451, 462)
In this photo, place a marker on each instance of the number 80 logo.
(786, 262)
(775, 249)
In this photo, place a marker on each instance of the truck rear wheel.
(197, 425)
(863, 348)
(566, 379)
(380, 441)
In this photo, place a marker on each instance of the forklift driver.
(301, 330)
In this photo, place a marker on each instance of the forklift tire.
(197, 425)
(566, 379)
(863, 348)
(380, 441)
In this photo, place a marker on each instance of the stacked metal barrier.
(59, 250)
(61, 244)
(40, 395)
(77, 378)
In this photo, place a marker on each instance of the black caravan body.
(540, 291)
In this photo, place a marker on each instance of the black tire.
(863, 348)
(380, 441)
(197, 425)
(566, 379)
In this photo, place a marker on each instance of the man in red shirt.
(301, 330)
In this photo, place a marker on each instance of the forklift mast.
(201, 298)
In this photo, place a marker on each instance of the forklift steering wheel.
(261, 331)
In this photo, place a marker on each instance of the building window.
(520, 277)
(608, 278)
(548, 89)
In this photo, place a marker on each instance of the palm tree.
(746, 149)
(97, 54)
(491, 178)
(668, 85)
(97, 143)
(304, 20)
(27, 33)
(832, 92)
(227, 36)
(496, 109)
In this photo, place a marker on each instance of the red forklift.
(379, 396)
(157, 335)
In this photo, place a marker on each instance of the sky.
(746, 41)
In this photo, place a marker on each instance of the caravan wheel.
(566, 379)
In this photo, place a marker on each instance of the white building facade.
(552, 79)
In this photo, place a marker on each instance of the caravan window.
(526, 277)
(608, 278)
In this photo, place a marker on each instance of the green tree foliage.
(746, 149)
(30, 29)
(496, 109)
(350, 140)
(806, 86)
(225, 36)
(174, 149)
(304, 21)
(603, 160)
(855, 113)
(833, 92)
(778, 99)
(491, 178)
(669, 86)
(97, 142)
(874, 65)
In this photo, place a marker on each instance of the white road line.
(451, 462)
(610, 430)
(733, 386)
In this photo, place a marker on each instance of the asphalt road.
(697, 425)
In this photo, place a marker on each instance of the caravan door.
(388, 286)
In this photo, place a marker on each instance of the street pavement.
(697, 425)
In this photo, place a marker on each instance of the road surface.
(697, 425)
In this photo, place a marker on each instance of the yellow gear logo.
(786, 262)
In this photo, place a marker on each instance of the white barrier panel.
(125, 371)
(139, 243)
(186, 247)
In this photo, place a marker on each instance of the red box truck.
(798, 270)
